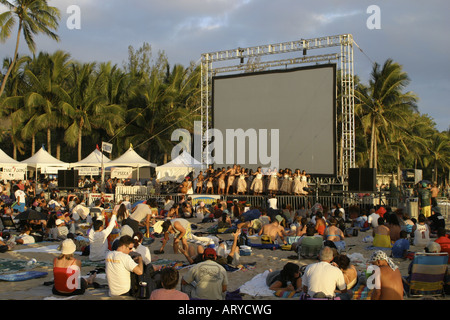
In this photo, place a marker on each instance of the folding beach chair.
(427, 275)
(8, 223)
(309, 252)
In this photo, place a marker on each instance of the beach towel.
(9, 266)
(257, 286)
(287, 294)
(22, 276)
(371, 247)
(361, 292)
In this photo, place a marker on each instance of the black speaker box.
(362, 179)
(368, 179)
(353, 179)
(67, 179)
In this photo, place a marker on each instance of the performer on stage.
(221, 181)
(257, 184)
(231, 175)
(242, 183)
(273, 181)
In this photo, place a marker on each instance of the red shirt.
(64, 277)
(444, 242)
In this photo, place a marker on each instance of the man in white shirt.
(272, 202)
(98, 238)
(322, 278)
(372, 220)
(119, 265)
(21, 198)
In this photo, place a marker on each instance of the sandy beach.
(255, 264)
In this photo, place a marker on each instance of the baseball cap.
(209, 253)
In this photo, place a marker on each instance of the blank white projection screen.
(300, 103)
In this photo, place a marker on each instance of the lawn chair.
(8, 223)
(309, 252)
(427, 275)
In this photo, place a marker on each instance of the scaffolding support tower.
(255, 54)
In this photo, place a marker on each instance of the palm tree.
(439, 150)
(12, 105)
(34, 17)
(47, 75)
(383, 105)
(86, 106)
(166, 104)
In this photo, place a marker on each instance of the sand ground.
(264, 259)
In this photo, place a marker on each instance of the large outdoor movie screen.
(277, 119)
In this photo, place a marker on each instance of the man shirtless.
(391, 284)
(274, 230)
(434, 194)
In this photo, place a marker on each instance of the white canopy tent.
(92, 160)
(11, 168)
(178, 168)
(45, 162)
(130, 159)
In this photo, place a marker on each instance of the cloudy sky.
(413, 33)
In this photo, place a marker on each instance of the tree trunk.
(58, 151)
(33, 144)
(372, 135)
(13, 62)
(49, 141)
(80, 128)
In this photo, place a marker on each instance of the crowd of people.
(113, 233)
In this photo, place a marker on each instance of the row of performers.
(240, 180)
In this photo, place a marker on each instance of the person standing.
(424, 196)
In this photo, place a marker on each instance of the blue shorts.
(19, 207)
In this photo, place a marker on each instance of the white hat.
(58, 222)
(157, 227)
(68, 246)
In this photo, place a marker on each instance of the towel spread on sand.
(257, 286)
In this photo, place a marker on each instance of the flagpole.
(103, 174)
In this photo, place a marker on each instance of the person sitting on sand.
(273, 231)
(342, 261)
(169, 281)
(390, 278)
(311, 242)
(67, 272)
(289, 278)
(321, 279)
(98, 238)
(333, 233)
(381, 235)
(210, 278)
(421, 232)
(120, 265)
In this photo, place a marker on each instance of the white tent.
(6, 160)
(178, 168)
(92, 160)
(45, 162)
(12, 169)
(130, 159)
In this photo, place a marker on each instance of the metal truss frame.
(345, 56)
